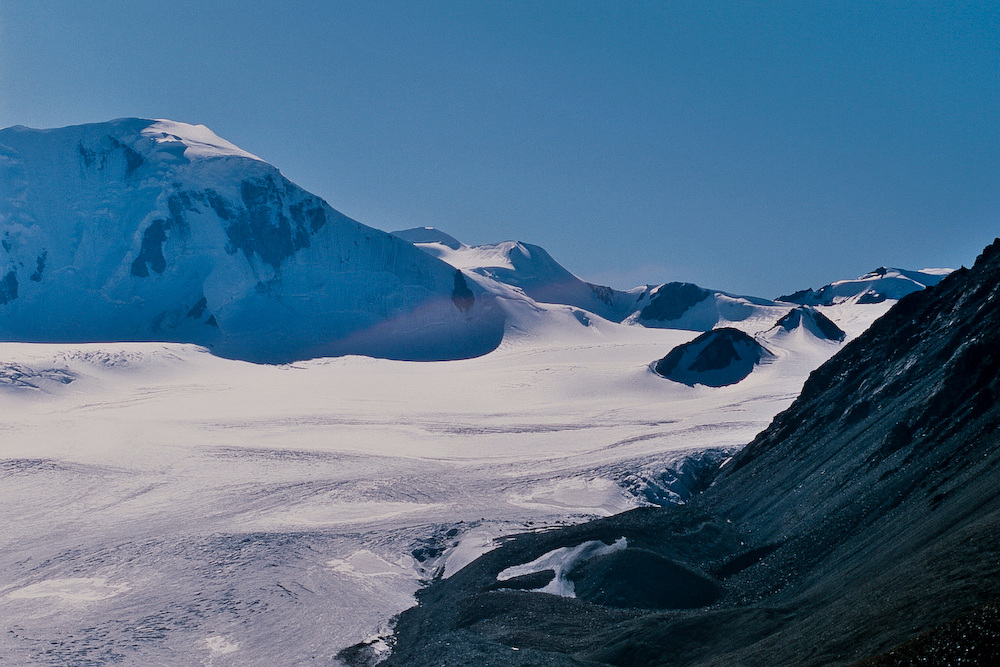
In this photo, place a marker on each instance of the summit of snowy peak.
(140, 138)
(527, 267)
(808, 320)
(923, 276)
(198, 140)
(514, 256)
(417, 235)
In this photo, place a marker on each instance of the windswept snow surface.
(164, 505)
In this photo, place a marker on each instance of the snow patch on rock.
(561, 562)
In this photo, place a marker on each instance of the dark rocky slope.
(861, 524)
(716, 358)
(815, 322)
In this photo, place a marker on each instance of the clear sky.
(755, 147)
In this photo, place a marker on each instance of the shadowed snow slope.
(154, 230)
(864, 515)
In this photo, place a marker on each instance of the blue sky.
(753, 147)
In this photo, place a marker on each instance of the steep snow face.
(527, 267)
(157, 230)
(880, 285)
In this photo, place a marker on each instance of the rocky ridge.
(862, 517)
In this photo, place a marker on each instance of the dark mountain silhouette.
(860, 525)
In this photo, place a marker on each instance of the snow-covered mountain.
(688, 306)
(806, 320)
(156, 230)
(875, 287)
(526, 267)
(533, 270)
(171, 505)
(137, 230)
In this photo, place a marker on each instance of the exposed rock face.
(688, 306)
(813, 321)
(155, 230)
(716, 358)
(864, 515)
(671, 300)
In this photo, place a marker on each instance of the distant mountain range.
(142, 230)
(674, 305)
(738, 329)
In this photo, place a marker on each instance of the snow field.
(166, 506)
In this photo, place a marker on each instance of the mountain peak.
(811, 320)
(159, 141)
(139, 229)
(428, 235)
(197, 140)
